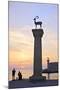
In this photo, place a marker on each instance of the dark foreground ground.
(26, 83)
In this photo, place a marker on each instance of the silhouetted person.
(19, 75)
(13, 74)
(48, 60)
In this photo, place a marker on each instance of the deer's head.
(34, 19)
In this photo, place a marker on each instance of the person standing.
(20, 75)
(13, 74)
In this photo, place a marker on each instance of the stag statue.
(37, 23)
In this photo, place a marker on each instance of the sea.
(27, 73)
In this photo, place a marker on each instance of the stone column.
(37, 72)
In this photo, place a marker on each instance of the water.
(53, 76)
(26, 74)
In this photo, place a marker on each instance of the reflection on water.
(26, 74)
(51, 76)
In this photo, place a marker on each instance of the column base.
(37, 78)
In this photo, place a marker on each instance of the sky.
(21, 40)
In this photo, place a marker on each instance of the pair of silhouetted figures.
(19, 75)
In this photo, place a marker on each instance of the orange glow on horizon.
(22, 51)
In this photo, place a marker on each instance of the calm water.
(26, 74)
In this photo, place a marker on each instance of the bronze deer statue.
(37, 23)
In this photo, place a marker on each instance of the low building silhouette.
(52, 67)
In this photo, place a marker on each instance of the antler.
(37, 17)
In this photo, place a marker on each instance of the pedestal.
(37, 72)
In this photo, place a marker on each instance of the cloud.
(21, 46)
(19, 40)
(50, 45)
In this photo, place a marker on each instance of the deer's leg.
(41, 25)
(36, 26)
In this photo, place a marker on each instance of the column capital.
(37, 32)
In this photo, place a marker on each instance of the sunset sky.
(21, 40)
